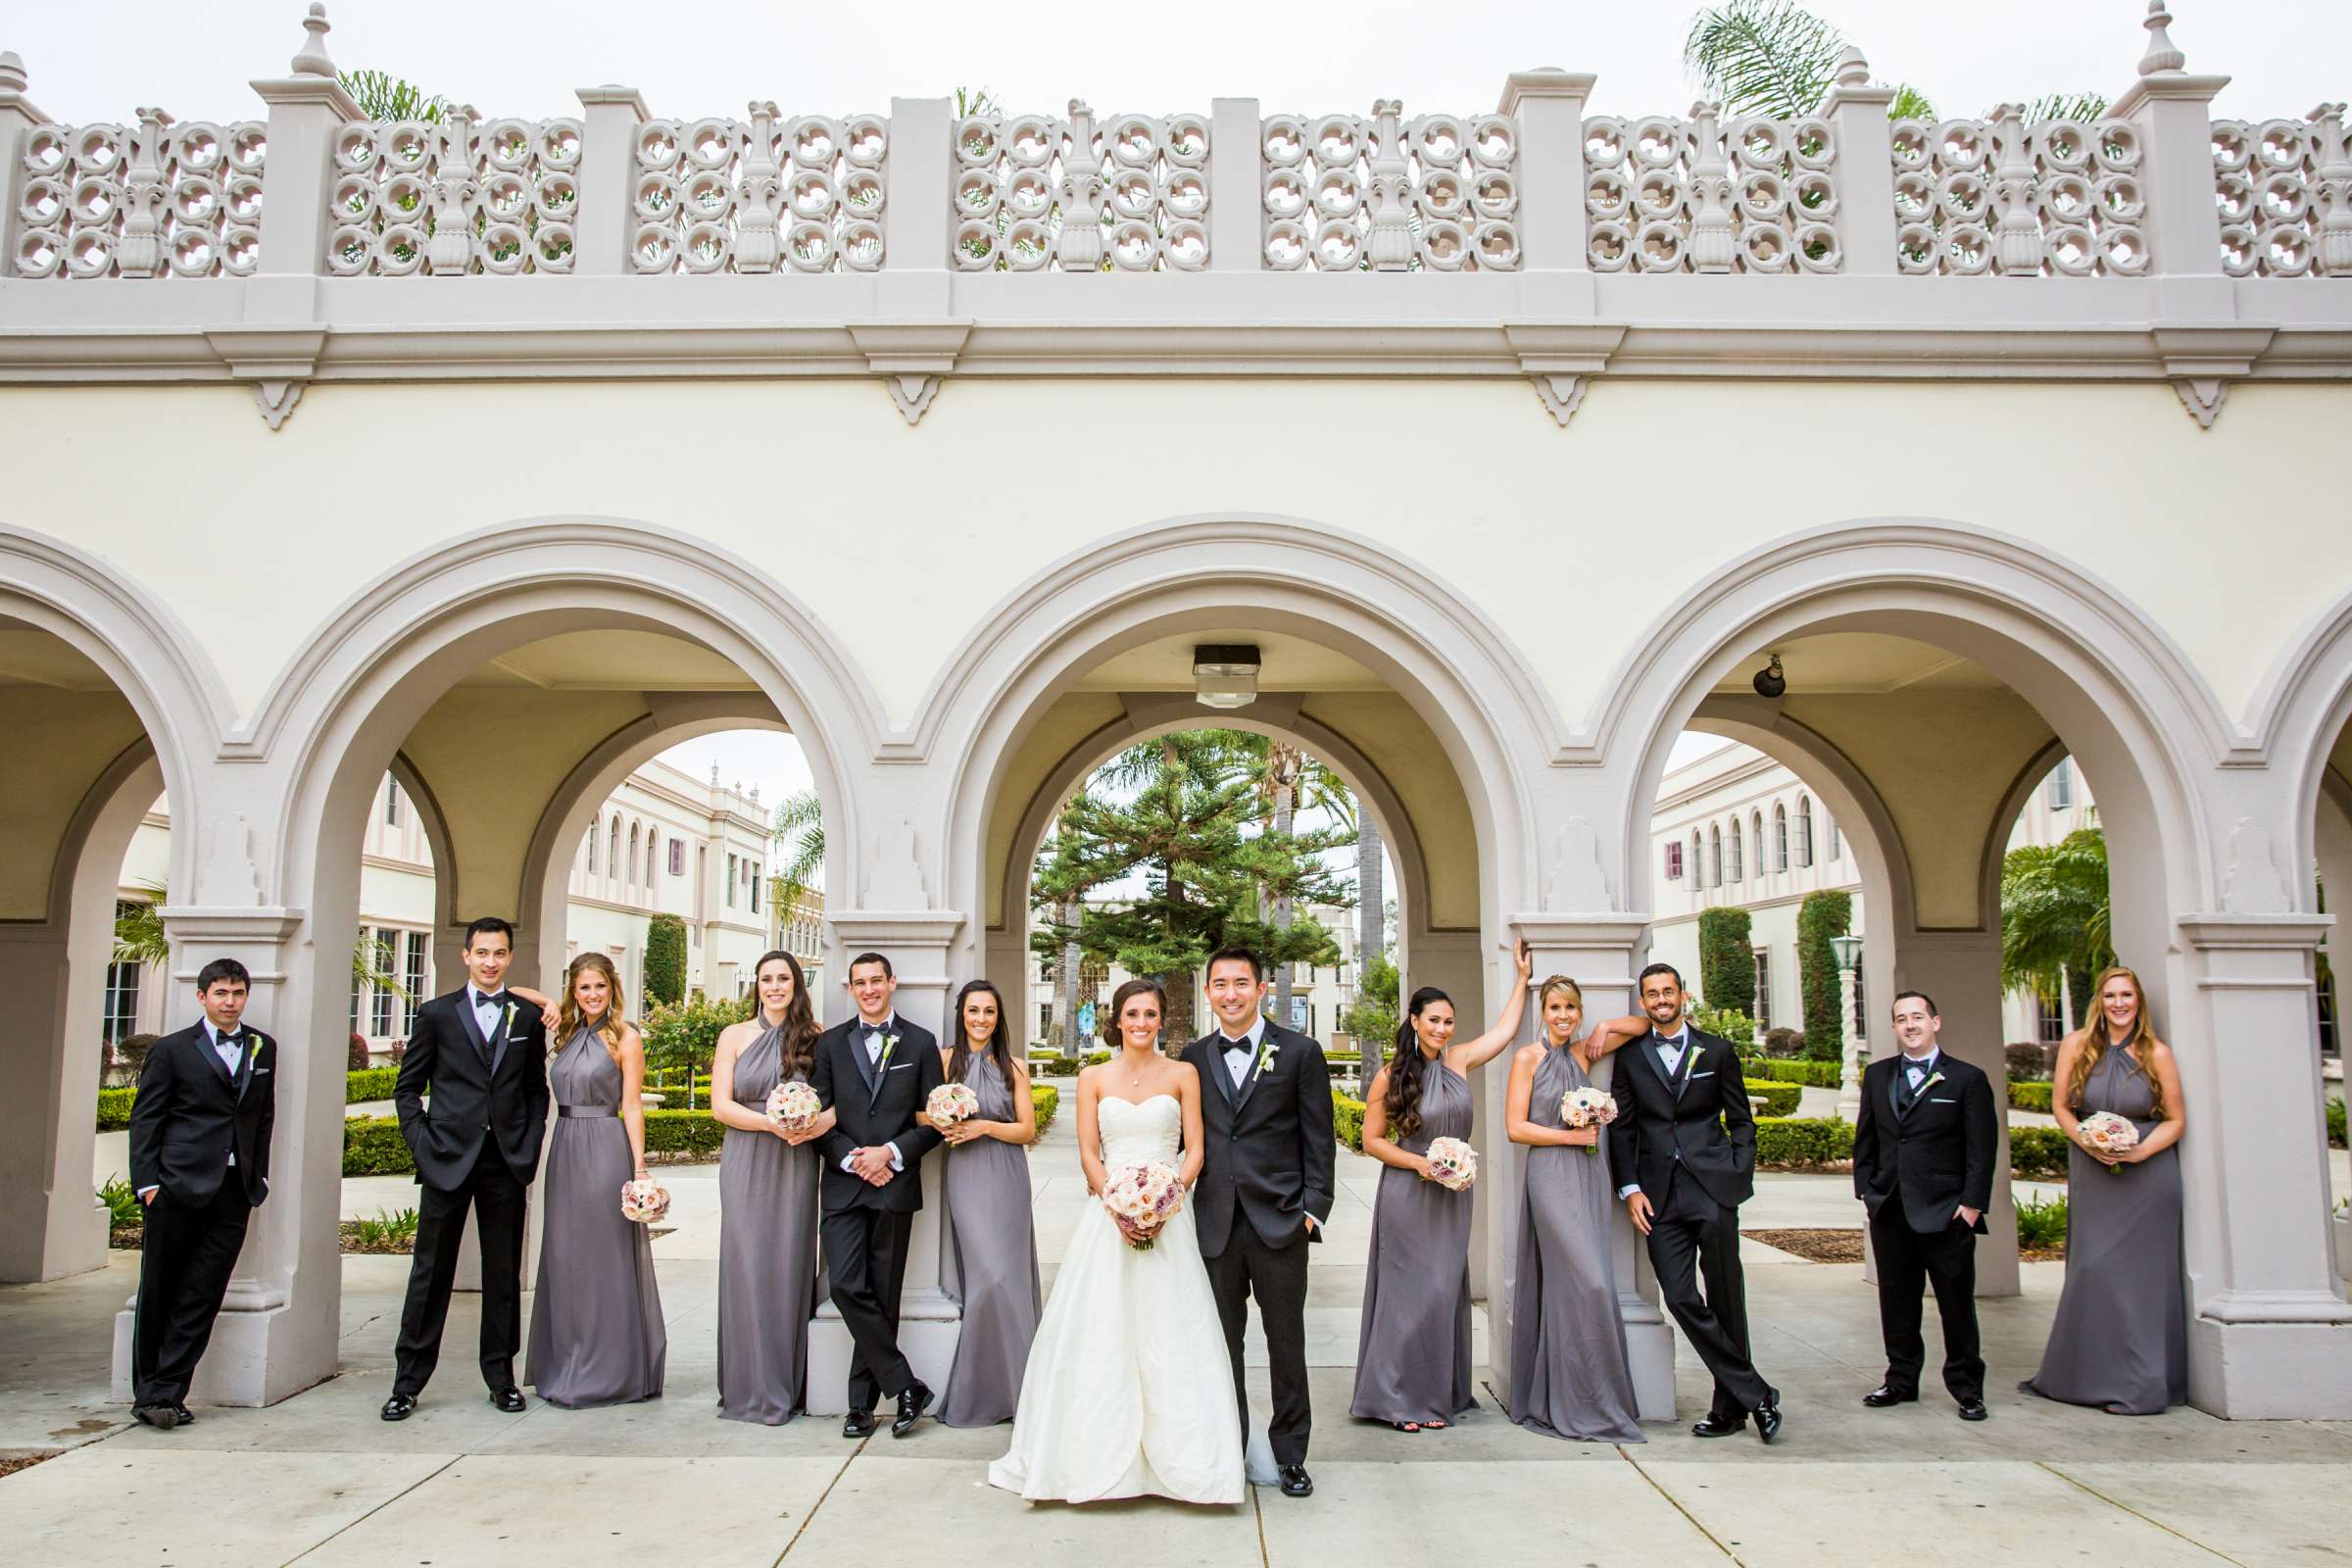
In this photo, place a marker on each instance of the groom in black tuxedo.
(482, 1056)
(200, 1131)
(1265, 1188)
(1923, 1166)
(1683, 1153)
(874, 1074)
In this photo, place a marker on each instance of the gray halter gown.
(597, 1336)
(1569, 1373)
(1412, 1354)
(991, 1263)
(767, 1276)
(2121, 1335)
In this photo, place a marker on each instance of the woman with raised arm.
(596, 1323)
(766, 1202)
(2121, 1338)
(991, 1240)
(1412, 1356)
(1569, 1373)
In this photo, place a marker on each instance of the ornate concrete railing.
(151, 200)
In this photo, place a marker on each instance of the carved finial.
(1387, 106)
(1852, 70)
(1079, 110)
(313, 60)
(2162, 55)
(12, 72)
(715, 775)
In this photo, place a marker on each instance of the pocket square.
(1940, 1100)
(258, 1072)
(900, 1067)
(1709, 1073)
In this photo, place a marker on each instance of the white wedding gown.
(1128, 1392)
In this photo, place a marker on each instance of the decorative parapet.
(765, 194)
(1669, 195)
(152, 200)
(2285, 192)
(1033, 193)
(1435, 193)
(453, 197)
(1974, 197)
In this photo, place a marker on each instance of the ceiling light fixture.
(1225, 674)
(1770, 681)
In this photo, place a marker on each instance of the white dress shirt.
(1239, 1053)
(1670, 1049)
(230, 1047)
(873, 1035)
(485, 1011)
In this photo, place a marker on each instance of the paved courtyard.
(319, 1480)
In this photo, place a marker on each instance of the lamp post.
(1848, 950)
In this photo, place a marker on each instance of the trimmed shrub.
(2028, 1061)
(2029, 1095)
(376, 1083)
(1802, 1143)
(1727, 962)
(1784, 1044)
(372, 1146)
(1347, 1121)
(114, 1109)
(2037, 1153)
(1810, 1074)
(1820, 916)
(356, 1059)
(685, 1037)
(1047, 1099)
(666, 960)
(1778, 1098)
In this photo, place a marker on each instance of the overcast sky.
(101, 61)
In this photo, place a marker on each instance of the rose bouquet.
(644, 1201)
(1588, 1107)
(793, 1106)
(2109, 1134)
(1142, 1198)
(951, 1103)
(1452, 1164)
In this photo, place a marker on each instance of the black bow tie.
(228, 1039)
(1234, 1044)
(1914, 1067)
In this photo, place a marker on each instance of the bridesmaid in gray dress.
(768, 1275)
(596, 1322)
(1569, 1373)
(1412, 1354)
(991, 1244)
(2121, 1338)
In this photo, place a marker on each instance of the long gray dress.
(767, 1278)
(1569, 1373)
(1412, 1354)
(991, 1263)
(2121, 1335)
(597, 1336)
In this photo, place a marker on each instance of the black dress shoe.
(186, 1418)
(860, 1424)
(161, 1417)
(398, 1408)
(1715, 1426)
(1296, 1481)
(1768, 1418)
(1879, 1397)
(914, 1401)
(1974, 1411)
(510, 1400)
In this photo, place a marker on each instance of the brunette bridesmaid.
(991, 1244)
(768, 1277)
(1570, 1376)
(1412, 1358)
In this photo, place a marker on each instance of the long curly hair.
(1000, 1040)
(1406, 1068)
(796, 1051)
(569, 1020)
(2095, 1044)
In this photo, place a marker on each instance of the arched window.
(1780, 837)
(1698, 864)
(1733, 868)
(1837, 844)
(1804, 830)
(612, 849)
(591, 849)
(1715, 855)
(1756, 838)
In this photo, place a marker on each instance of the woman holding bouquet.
(991, 1244)
(1412, 1356)
(596, 1324)
(2121, 1338)
(767, 1288)
(1569, 1373)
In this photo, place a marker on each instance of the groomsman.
(1923, 1166)
(1683, 1153)
(481, 1055)
(200, 1162)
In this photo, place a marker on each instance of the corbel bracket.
(911, 358)
(1560, 358)
(275, 361)
(2202, 361)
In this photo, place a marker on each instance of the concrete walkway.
(320, 1479)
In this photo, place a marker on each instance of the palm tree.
(800, 827)
(382, 96)
(2054, 924)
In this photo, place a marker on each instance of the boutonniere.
(1934, 1079)
(890, 1043)
(509, 1024)
(1267, 1049)
(254, 1048)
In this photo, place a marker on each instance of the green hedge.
(2336, 1122)
(2030, 1096)
(1048, 1100)
(1727, 961)
(1778, 1098)
(2037, 1153)
(114, 1109)
(1823, 916)
(1810, 1074)
(1347, 1121)
(1798, 1143)
(372, 1146)
(376, 1083)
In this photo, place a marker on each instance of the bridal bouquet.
(1588, 1107)
(951, 1103)
(793, 1106)
(644, 1201)
(2109, 1134)
(1452, 1164)
(1142, 1198)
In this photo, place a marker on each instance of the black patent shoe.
(1715, 1426)
(398, 1408)
(860, 1424)
(1768, 1419)
(186, 1417)
(914, 1401)
(1296, 1481)
(1879, 1397)
(1974, 1411)
(510, 1400)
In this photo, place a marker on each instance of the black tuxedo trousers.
(1693, 1238)
(190, 1250)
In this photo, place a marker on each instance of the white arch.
(2303, 709)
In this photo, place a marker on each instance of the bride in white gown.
(1127, 1391)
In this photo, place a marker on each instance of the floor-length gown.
(767, 1276)
(597, 1336)
(2121, 1335)
(1128, 1392)
(992, 1258)
(1412, 1353)
(1570, 1376)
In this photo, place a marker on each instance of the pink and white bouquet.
(1452, 1164)
(644, 1201)
(793, 1106)
(2110, 1134)
(1142, 1198)
(951, 1103)
(1588, 1107)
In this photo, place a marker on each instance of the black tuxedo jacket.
(191, 1114)
(1699, 1120)
(1937, 1158)
(1270, 1152)
(486, 1091)
(877, 1106)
